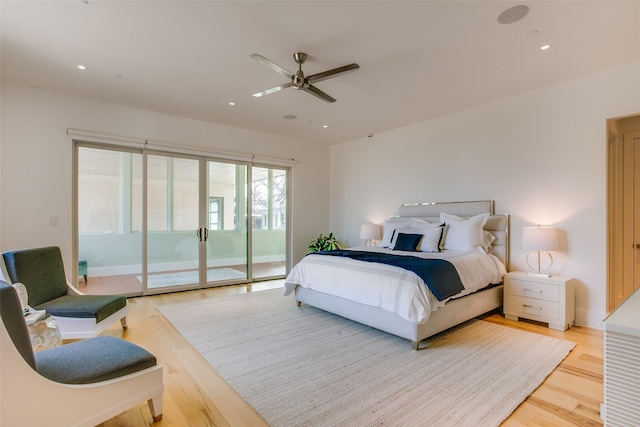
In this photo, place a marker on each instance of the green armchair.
(41, 271)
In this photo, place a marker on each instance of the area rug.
(187, 277)
(305, 367)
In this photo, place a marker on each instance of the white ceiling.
(418, 59)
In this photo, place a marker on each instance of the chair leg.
(123, 322)
(155, 406)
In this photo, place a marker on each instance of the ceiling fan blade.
(273, 89)
(332, 73)
(275, 67)
(317, 92)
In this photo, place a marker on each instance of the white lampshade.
(539, 238)
(370, 232)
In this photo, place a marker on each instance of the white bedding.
(391, 288)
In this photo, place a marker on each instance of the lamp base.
(537, 270)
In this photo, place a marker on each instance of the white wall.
(540, 155)
(36, 162)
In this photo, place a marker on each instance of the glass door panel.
(268, 222)
(109, 220)
(226, 222)
(173, 203)
(206, 222)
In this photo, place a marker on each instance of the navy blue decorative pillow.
(407, 242)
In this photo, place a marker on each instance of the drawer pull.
(531, 306)
(533, 290)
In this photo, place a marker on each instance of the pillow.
(430, 237)
(487, 240)
(463, 234)
(389, 226)
(405, 230)
(407, 242)
(421, 223)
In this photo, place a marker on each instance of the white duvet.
(391, 288)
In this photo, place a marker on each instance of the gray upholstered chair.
(81, 384)
(41, 271)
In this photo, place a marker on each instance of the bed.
(395, 300)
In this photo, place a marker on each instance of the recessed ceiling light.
(290, 116)
(513, 14)
(325, 126)
(545, 46)
(82, 67)
(232, 103)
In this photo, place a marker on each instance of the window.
(269, 202)
(106, 192)
(216, 208)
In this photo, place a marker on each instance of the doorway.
(151, 221)
(623, 209)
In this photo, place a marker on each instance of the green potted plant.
(324, 243)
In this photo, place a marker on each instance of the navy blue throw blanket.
(440, 276)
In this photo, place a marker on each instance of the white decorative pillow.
(389, 226)
(463, 234)
(430, 237)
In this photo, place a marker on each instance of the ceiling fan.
(299, 80)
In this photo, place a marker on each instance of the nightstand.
(545, 299)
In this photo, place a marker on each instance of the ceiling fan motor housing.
(300, 57)
(298, 79)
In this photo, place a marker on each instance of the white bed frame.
(455, 311)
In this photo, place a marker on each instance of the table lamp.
(539, 240)
(369, 233)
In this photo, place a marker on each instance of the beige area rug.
(305, 367)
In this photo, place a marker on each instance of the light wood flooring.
(195, 395)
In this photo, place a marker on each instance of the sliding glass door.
(226, 222)
(151, 221)
(196, 223)
(173, 220)
(109, 220)
(268, 222)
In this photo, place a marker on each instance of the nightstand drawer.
(535, 308)
(537, 290)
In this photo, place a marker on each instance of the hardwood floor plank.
(195, 395)
(568, 415)
(234, 409)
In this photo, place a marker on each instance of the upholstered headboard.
(497, 224)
